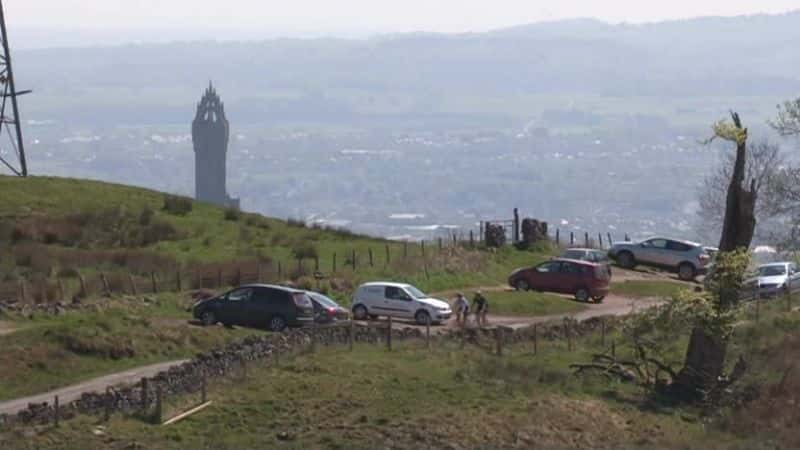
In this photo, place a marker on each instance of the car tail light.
(332, 312)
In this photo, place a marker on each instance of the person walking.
(461, 306)
(481, 305)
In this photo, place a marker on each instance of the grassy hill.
(57, 228)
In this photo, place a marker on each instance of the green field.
(531, 304)
(449, 397)
(647, 288)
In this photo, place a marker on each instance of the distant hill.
(343, 80)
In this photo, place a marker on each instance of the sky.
(356, 16)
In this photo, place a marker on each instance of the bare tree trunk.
(705, 356)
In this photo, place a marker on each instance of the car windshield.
(771, 271)
(414, 292)
(323, 300)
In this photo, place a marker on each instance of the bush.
(146, 216)
(304, 250)
(232, 214)
(177, 205)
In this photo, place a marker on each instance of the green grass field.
(49, 352)
(647, 288)
(531, 304)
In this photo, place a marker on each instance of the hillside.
(63, 229)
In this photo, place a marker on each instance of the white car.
(774, 279)
(398, 300)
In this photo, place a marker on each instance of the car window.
(239, 295)
(570, 268)
(656, 243)
(414, 292)
(323, 300)
(573, 254)
(548, 267)
(599, 257)
(771, 271)
(395, 293)
(678, 246)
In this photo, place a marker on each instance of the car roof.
(576, 261)
(783, 263)
(385, 283)
(581, 249)
(272, 286)
(682, 241)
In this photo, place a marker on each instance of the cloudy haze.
(359, 16)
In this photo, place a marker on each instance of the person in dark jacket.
(481, 306)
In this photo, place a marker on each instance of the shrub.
(146, 216)
(177, 205)
(232, 214)
(304, 250)
(160, 231)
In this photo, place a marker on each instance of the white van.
(398, 300)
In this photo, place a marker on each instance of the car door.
(568, 278)
(676, 253)
(265, 303)
(652, 251)
(544, 277)
(233, 310)
(397, 302)
(793, 279)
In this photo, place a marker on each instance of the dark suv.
(257, 305)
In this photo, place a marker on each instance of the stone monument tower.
(210, 131)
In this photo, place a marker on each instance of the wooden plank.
(186, 414)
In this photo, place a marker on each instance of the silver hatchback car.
(687, 258)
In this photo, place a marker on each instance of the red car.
(583, 279)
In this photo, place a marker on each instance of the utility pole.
(10, 120)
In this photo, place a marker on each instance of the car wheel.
(422, 317)
(686, 272)
(522, 285)
(360, 312)
(276, 324)
(598, 298)
(582, 295)
(626, 260)
(208, 319)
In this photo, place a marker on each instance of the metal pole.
(12, 92)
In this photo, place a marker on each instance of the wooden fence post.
(471, 239)
(405, 249)
(56, 411)
(586, 239)
(316, 263)
(428, 331)
(159, 415)
(107, 410)
(388, 255)
(603, 331)
(203, 388)
(103, 278)
(558, 236)
(440, 244)
(370, 257)
(22, 292)
(178, 279)
(153, 279)
(300, 266)
(600, 240)
(535, 339)
(422, 243)
(354, 260)
(313, 334)
(351, 335)
(238, 275)
(219, 278)
(334, 263)
(425, 266)
(571, 238)
(61, 291)
(627, 239)
(133, 284)
(280, 270)
(145, 393)
(498, 337)
(389, 335)
(609, 240)
(258, 272)
(82, 280)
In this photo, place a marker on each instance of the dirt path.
(613, 305)
(70, 393)
(7, 328)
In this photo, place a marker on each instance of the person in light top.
(461, 306)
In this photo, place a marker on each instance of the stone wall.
(188, 377)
